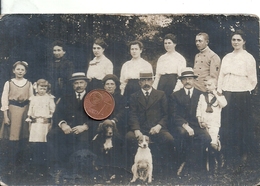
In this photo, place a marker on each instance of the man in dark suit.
(183, 106)
(149, 116)
(72, 126)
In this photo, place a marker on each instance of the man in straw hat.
(71, 124)
(183, 105)
(149, 116)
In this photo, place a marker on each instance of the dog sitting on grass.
(143, 164)
(107, 144)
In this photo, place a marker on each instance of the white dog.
(143, 164)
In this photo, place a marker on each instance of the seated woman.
(111, 85)
(108, 143)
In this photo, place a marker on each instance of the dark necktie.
(78, 97)
(189, 93)
(146, 96)
(209, 103)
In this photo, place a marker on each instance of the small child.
(41, 109)
(209, 111)
(40, 112)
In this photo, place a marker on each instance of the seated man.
(183, 105)
(71, 131)
(149, 116)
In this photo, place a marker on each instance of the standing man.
(149, 116)
(206, 63)
(72, 126)
(183, 106)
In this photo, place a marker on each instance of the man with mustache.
(183, 106)
(148, 115)
(72, 127)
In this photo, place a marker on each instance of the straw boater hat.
(187, 72)
(146, 75)
(79, 76)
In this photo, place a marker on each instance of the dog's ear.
(115, 128)
(100, 127)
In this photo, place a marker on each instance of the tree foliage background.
(29, 37)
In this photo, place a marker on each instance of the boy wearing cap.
(183, 105)
(149, 116)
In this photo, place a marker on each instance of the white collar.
(144, 91)
(81, 94)
(191, 91)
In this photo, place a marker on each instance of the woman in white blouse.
(169, 66)
(100, 66)
(237, 78)
(129, 76)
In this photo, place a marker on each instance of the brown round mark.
(99, 104)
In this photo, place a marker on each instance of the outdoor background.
(29, 37)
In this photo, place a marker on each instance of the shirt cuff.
(62, 122)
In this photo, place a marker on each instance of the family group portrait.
(185, 97)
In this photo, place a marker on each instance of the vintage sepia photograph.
(129, 99)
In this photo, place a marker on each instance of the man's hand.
(155, 130)
(79, 129)
(188, 129)
(66, 128)
(138, 134)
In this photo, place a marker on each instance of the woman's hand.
(6, 120)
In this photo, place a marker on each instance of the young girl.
(15, 101)
(40, 112)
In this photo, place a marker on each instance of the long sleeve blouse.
(99, 68)
(169, 63)
(131, 70)
(237, 72)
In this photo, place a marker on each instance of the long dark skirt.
(167, 83)
(236, 129)
(132, 86)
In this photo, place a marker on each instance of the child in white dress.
(41, 109)
(40, 112)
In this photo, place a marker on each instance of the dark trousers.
(61, 146)
(192, 149)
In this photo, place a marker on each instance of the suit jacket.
(183, 109)
(72, 111)
(143, 116)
